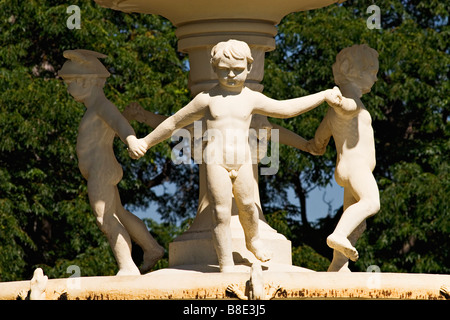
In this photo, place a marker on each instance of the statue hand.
(136, 147)
(134, 111)
(312, 148)
(334, 97)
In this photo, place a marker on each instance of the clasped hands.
(136, 147)
(334, 97)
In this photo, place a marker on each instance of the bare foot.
(130, 271)
(339, 262)
(339, 268)
(257, 248)
(150, 259)
(226, 268)
(343, 245)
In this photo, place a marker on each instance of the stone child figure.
(85, 76)
(355, 73)
(227, 111)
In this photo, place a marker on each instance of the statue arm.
(349, 107)
(152, 119)
(193, 111)
(115, 120)
(134, 111)
(318, 144)
(290, 138)
(287, 108)
(294, 107)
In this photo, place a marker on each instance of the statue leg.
(340, 261)
(102, 199)
(365, 190)
(140, 234)
(248, 212)
(220, 197)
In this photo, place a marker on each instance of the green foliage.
(306, 257)
(92, 261)
(303, 255)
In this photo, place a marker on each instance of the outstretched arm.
(134, 111)
(293, 107)
(116, 121)
(193, 111)
(318, 144)
(290, 138)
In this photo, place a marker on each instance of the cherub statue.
(355, 73)
(227, 110)
(85, 76)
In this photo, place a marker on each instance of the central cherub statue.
(227, 110)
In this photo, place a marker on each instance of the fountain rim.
(200, 10)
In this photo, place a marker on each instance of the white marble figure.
(227, 110)
(85, 76)
(355, 72)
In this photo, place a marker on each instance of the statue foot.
(342, 244)
(151, 258)
(129, 271)
(261, 253)
(226, 268)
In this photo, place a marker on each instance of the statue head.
(83, 72)
(231, 60)
(357, 65)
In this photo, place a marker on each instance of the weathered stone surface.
(188, 284)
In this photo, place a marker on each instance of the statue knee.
(373, 206)
(247, 207)
(103, 224)
(222, 215)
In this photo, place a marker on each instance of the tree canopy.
(45, 218)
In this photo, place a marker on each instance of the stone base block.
(201, 251)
